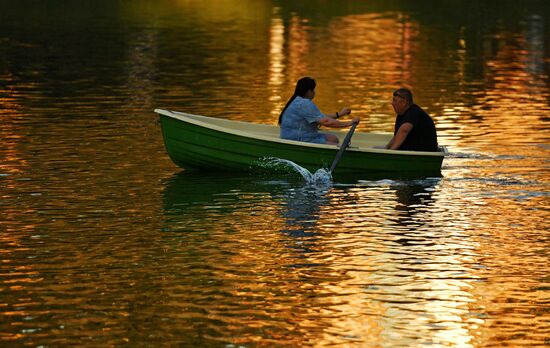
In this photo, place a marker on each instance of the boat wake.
(321, 177)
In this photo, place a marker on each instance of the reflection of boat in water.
(185, 189)
(197, 188)
(415, 210)
(194, 141)
(415, 192)
(195, 201)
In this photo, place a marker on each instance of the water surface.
(104, 241)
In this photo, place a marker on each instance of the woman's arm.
(337, 114)
(334, 123)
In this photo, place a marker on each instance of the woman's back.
(300, 121)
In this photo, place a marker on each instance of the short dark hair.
(405, 94)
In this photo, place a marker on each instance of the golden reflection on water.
(502, 258)
(365, 44)
(429, 299)
(12, 161)
(382, 287)
(512, 94)
(299, 42)
(286, 67)
(276, 62)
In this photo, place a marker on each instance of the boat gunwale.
(189, 118)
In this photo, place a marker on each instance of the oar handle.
(343, 147)
(347, 139)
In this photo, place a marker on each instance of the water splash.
(321, 177)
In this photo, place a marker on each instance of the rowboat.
(201, 142)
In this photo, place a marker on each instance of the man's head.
(402, 100)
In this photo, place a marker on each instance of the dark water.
(104, 242)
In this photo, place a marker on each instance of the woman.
(301, 118)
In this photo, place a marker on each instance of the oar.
(343, 147)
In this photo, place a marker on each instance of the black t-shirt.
(422, 136)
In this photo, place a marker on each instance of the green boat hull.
(195, 146)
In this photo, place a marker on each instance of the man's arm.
(400, 136)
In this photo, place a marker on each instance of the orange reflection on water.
(359, 45)
(298, 48)
(508, 266)
(368, 56)
(13, 226)
(267, 277)
(12, 161)
(276, 62)
(513, 99)
(286, 68)
(414, 283)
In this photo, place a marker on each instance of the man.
(414, 129)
